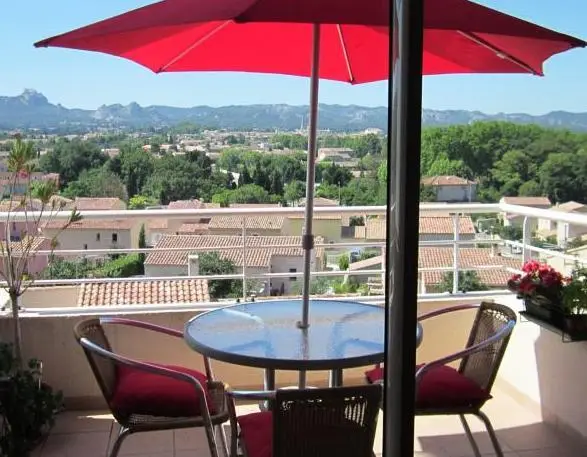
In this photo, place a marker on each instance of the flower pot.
(576, 326)
(544, 310)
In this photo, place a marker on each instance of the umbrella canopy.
(275, 36)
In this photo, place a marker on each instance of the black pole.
(403, 191)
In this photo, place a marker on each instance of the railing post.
(244, 258)
(526, 239)
(455, 253)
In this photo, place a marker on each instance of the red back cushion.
(257, 433)
(141, 392)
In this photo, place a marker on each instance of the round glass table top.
(264, 334)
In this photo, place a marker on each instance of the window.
(293, 270)
(85, 246)
(98, 237)
(115, 237)
(14, 226)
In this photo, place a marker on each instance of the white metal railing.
(456, 211)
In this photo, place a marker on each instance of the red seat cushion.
(141, 392)
(257, 433)
(442, 387)
(374, 375)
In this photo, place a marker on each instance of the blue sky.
(87, 80)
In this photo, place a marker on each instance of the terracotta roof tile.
(193, 229)
(374, 228)
(258, 255)
(95, 224)
(143, 292)
(528, 201)
(97, 204)
(252, 222)
(33, 244)
(432, 257)
(186, 204)
(445, 181)
(569, 207)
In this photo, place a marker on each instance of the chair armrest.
(251, 394)
(450, 309)
(155, 369)
(141, 325)
(505, 331)
(158, 329)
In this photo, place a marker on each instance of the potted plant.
(540, 286)
(552, 298)
(28, 405)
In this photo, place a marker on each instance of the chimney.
(193, 265)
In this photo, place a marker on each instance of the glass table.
(265, 334)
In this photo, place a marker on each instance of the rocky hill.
(31, 109)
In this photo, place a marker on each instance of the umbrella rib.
(190, 48)
(500, 53)
(345, 53)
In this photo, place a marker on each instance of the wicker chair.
(442, 390)
(146, 397)
(338, 421)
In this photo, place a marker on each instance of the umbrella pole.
(307, 236)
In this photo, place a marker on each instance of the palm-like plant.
(36, 202)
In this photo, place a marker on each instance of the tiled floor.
(520, 431)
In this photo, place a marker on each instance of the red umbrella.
(350, 44)
(275, 36)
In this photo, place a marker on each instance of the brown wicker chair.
(442, 390)
(338, 421)
(151, 413)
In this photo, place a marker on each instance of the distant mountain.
(31, 109)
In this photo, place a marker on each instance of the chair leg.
(123, 432)
(491, 432)
(470, 435)
(211, 436)
(223, 441)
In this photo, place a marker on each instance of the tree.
(135, 167)
(175, 178)
(344, 262)
(468, 282)
(15, 256)
(70, 158)
(249, 193)
(427, 193)
(294, 192)
(141, 202)
(210, 263)
(97, 182)
(142, 245)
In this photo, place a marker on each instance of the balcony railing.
(456, 211)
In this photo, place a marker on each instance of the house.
(321, 201)
(157, 228)
(451, 188)
(517, 220)
(285, 255)
(436, 228)
(565, 231)
(95, 234)
(152, 292)
(336, 155)
(442, 257)
(269, 225)
(8, 186)
(326, 225)
(35, 263)
(97, 204)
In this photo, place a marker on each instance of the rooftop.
(374, 228)
(258, 253)
(445, 181)
(143, 292)
(254, 222)
(97, 204)
(528, 201)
